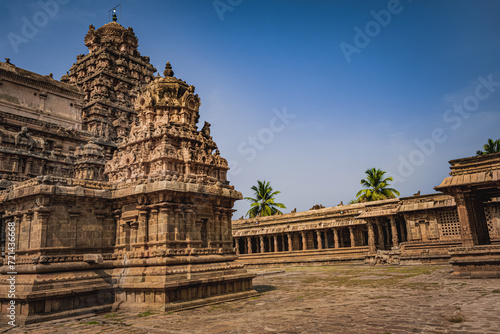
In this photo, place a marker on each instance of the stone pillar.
(269, 243)
(381, 240)
(319, 239)
(351, 234)
(29, 165)
(18, 218)
(223, 226)
(262, 249)
(304, 240)
(24, 231)
(336, 237)
(164, 233)
(394, 231)
(73, 218)
(120, 235)
(191, 233)
(177, 232)
(40, 239)
(290, 243)
(275, 237)
(153, 225)
(387, 232)
(404, 233)
(371, 238)
(237, 244)
(217, 227)
(283, 247)
(15, 164)
(326, 238)
(228, 227)
(472, 218)
(249, 245)
(134, 226)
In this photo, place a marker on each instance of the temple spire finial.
(114, 16)
(168, 70)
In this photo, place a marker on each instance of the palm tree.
(377, 186)
(263, 204)
(492, 146)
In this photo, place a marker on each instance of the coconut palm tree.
(377, 186)
(263, 204)
(492, 146)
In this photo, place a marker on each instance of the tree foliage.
(377, 187)
(264, 203)
(492, 146)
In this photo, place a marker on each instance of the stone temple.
(112, 198)
(117, 199)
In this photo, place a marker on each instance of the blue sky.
(422, 86)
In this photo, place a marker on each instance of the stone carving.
(206, 130)
(167, 138)
(105, 74)
(23, 138)
(139, 181)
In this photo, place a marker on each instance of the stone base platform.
(308, 257)
(55, 294)
(168, 288)
(45, 292)
(476, 261)
(414, 253)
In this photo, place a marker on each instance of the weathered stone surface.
(137, 214)
(409, 230)
(323, 299)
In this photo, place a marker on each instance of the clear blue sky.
(406, 79)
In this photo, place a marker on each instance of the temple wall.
(34, 96)
(40, 125)
(422, 226)
(420, 229)
(493, 218)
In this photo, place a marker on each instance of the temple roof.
(111, 32)
(473, 171)
(111, 28)
(46, 81)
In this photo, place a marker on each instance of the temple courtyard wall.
(413, 230)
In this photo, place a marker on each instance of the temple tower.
(172, 202)
(142, 220)
(110, 76)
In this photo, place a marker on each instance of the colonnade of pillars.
(175, 225)
(384, 233)
(338, 237)
(378, 233)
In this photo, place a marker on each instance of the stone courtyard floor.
(325, 299)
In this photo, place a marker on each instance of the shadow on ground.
(264, 288)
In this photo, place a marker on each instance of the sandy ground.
(326, 299)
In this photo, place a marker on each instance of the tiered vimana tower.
(173, 206)
(110, 76)
(144, 221)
